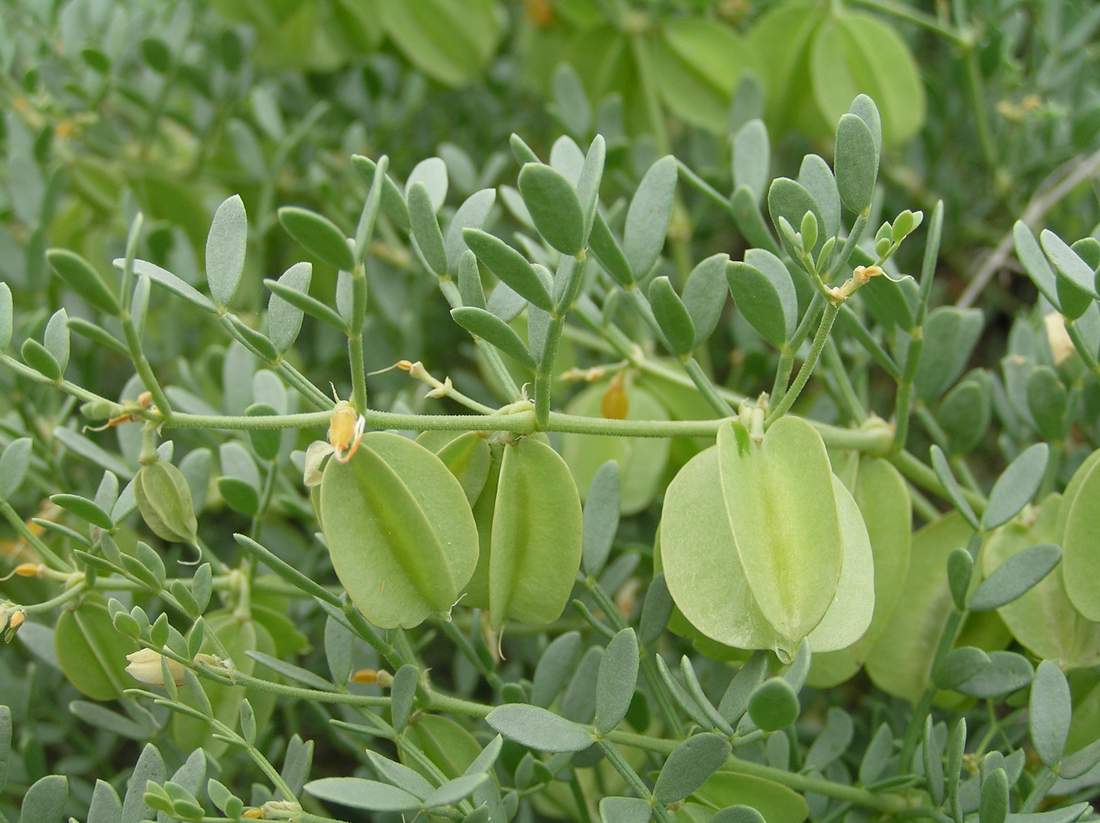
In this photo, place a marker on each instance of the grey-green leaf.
(756, 298)
(510, 266)
(1068, 263)
(649, 214)
(855, 162)
(1016, 486)
(225, 249)
(752, 157)
(425, 229)
(1049, 712)
(672, 316)
(617, 680)
(689, 766)
(82, 278)
(954, 492)
(45, 800)
(284, 320)
(538, 728)
(554, 206)
(495, 331)
(362, 794)
(318, 235)
(705, 295)
(601, 517)
(1013, 578)
(7, 316)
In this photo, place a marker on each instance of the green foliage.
(606, 546)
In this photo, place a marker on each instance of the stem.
(706, 388)
(632, 779)
(808, 365)
(852, 403)
(976, 87)
(355, 337)
(144, 370)
(570, 270)
(923, 476)
(47, 554)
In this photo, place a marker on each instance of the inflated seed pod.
(399, 530)
(535, 545)
(91, 653)
(164, 500)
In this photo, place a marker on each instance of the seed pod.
(164, 500)
(536, 536)
(91, 653)
(399, 530)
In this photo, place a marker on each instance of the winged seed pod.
(399, 530)
(762, 546)
(534, 526)
(164, 500)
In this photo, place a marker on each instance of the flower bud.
(145, 666)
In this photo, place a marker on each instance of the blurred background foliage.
(113, 107)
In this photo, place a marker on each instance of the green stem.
(47, 554)
(355, 337)
(633, 780)
(853, 405)
(808, 366)
(923, 476)
(978, 99)
(570, 270)
(706, 388)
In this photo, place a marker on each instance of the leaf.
(292, 298)
(964, 414)
(624, 810)
(1049, 712)
(832, 742)
(79, 276)
(149, 767)
(954, 492)
(738, 814)
(1035, 264)
(773, 705)
(482, 323)
(570, 101)
(7, 316)
(689, 765)
(1016, 576)
(554, 207)
(1068, 263)
(318, 235)
(467, 455)
(45, 800)
(704, 295)
(605, 247)
(14, 463)
(402, 694)
(510, 266)
(1048, 401)
(225, 249)
(432, 174)
(399, 530)
(449, 41)
(393, 201)
(617, 680)
(1007, 672)
(56, 338)
(554, 667)
(83, 508)
(672, 316)
(816, 177)
(755, 296)
(993, 807)
(39, 358)
(788, 199)
(455, 790)
(1016, 486)
(473, 213)
(856, 163)
(362, 794)
(601, 517)
(538, 728)
(164, 500)
(588, 185)
(425, 229)
(536, 536)
(648, 217)
(284, 319)
(752, 158)
(174, 284)
(1043, 619)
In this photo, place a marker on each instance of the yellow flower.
(345, 431)
(145, 666)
